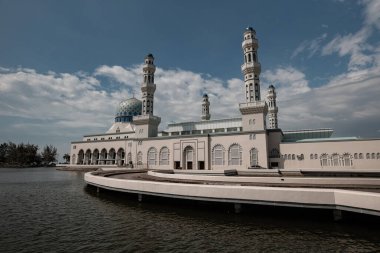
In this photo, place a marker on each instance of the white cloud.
(289, 82)
(372, 12)
(354, 45)
(311, 46)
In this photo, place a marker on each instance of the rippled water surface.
(44, 210)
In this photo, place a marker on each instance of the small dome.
(127, 109)
(149, 56)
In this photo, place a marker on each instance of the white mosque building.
(251, 141)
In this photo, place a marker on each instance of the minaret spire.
(254, 110)
(146, 124)
(272, 108)
(148, 87)
(205, 108)
(251, 68)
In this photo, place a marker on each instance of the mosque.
(252, 141)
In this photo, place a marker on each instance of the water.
(44, 210)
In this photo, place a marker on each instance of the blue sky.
(65, 65)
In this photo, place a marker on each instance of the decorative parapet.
(146, 119)
(253, 107)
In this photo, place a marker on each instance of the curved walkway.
(362, 201)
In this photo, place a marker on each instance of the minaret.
(205, 108)
(146, 124)
(251, 68)
(254, 110)
(272, 108)
(148, 87)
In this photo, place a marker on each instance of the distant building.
(252, 141)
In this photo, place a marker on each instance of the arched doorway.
(95, 157)
(87, 157)
(120, 157)
(103, 156)
(188, 158)
(80, 156)
(111, 156)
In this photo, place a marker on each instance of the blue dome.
(127, 109)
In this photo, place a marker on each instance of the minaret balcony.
(251, 67)
(250, 43)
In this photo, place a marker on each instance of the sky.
(65, 65)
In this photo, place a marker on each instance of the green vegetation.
(26, 155)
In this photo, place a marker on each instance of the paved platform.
(362, 198)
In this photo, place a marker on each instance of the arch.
(111, 156)
(289, 157)
(139, 158)
(217, 154)
(293, 157)
(360, 155)
(164, 156)
(254, 158)
(188, 158)
(103, 156)
(311, 156)
(373, 156)
(324, 160)
(254, 57)
(152, 156)
(356, 156)
(95, 156)
(315, 156)
(249, 58)
(87, 157)
(80, 156)
(367, 156)
(234, 154)
(335, 159)
(378, 156)
(120, 156)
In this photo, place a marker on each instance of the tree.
(49, 154)
(66, 157)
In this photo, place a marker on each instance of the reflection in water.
(47, 210)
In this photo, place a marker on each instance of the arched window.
(139, 157)
(293, 157)
(274, 153)
(234, 155)
(323, 158)
(253, 154)
(315, 156)
(347, 159)
(360, 155)
(164, 156)
(254, 57)
(335, 159)
(152, 153)
(73, 159)
(249, 58)
(129, 158)
(367, 156)
(311, 156)
(218, 155)
(378, 156)
(289, 157)
(356, 156)
(373, 156)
